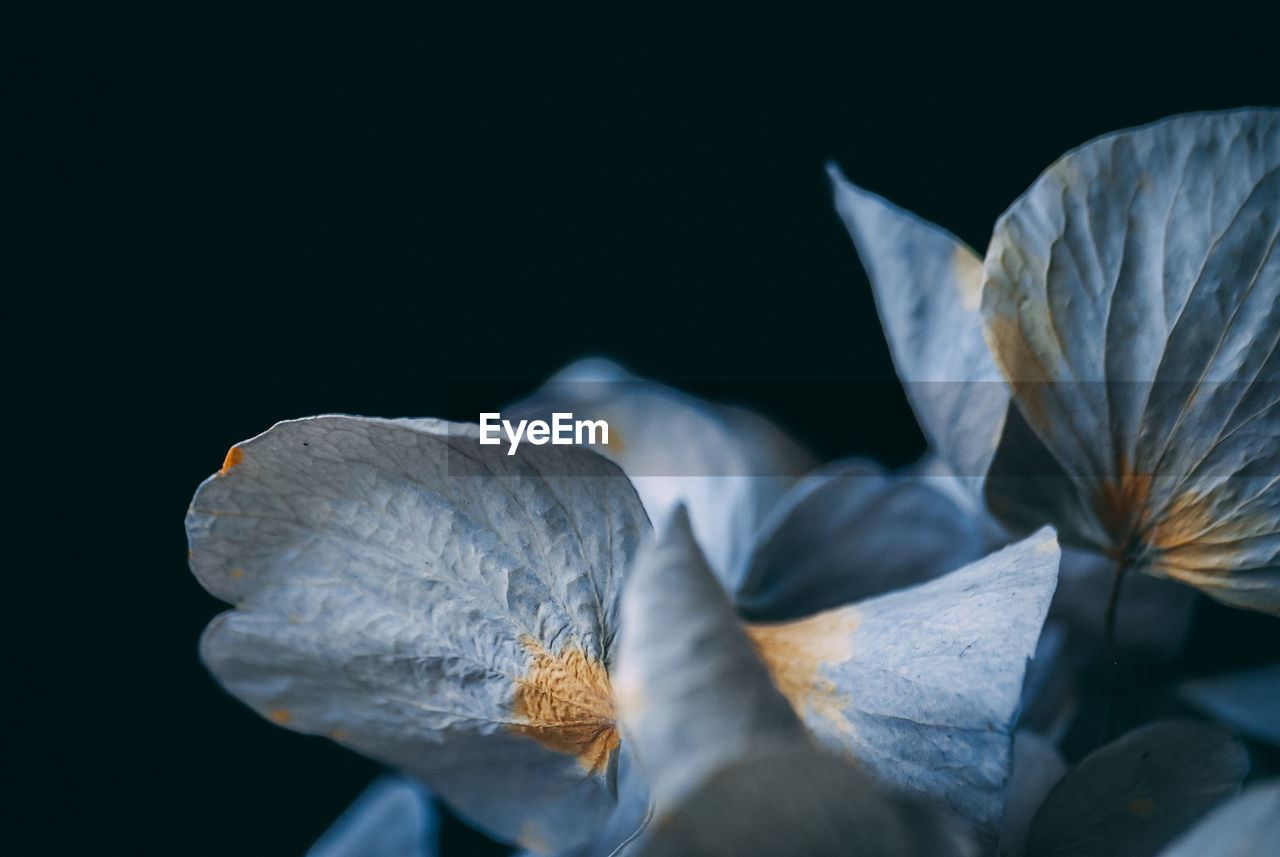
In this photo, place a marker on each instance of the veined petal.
(433, 603)
(922, 685)
(1131, 298)
(852, 531)
(726, 465)
(1133, 795)
(394, 817)
(927, 286)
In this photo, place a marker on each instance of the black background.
(236, 216)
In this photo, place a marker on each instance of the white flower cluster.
(832, 659)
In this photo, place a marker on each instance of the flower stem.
(1123, 564)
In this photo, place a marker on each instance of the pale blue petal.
(922, 685)
(726, 465)
(692, 693)
(1037, 768)
(851, 531)
(394, 817)
(415, 596)
(927, 286)
(624, 832)
(1132, 300)
(1248, 825)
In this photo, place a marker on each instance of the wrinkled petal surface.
(430, 602)
(1132, 300)
(922, 685)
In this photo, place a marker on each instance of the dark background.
(236, 216)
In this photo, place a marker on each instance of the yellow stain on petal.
(234, 456)
(1190, 532)
(966, 268)
(794, 653)
(280, 716)
(338, 735)
(1121, 504)
(1141, 806)
(1202, 549)
(1187, 535)
(1186, 520)
(615, 444)
(1189, 538)
(565, 703)
(237, 573)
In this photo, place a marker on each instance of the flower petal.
(1037, 767)
(852, 531)
(692, 694)
(922, 685)
(927, 286)
(726, 465)
(1248, 700)
(1139, 791)
(394, 817)
(1132, 300)
(802, 802)
(1248, 825)
(622, 833)
(433, 603)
